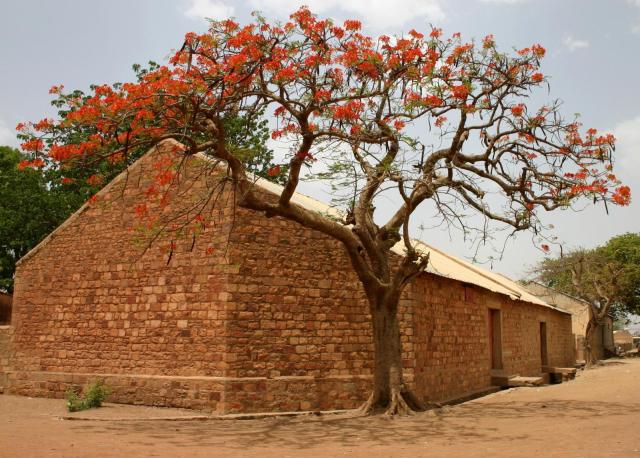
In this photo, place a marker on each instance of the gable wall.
(90, 304)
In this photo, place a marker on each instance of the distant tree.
(434, 120)
(606, 277)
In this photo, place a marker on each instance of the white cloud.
(573, 43)
(213, 9)
(7, 135)
(375, 14)
(627, 135)
(636, 27)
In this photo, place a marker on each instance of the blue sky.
(592, 61)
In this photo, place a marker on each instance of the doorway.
(543, 344)
(495, 338)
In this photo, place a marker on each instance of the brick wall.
(451, 343)
(260, 315)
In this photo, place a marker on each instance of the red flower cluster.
(33, 145)
(34, 164)
(460, 92)
(537, 77)
(622, 195)
(352, 25)
(350, 111)
(94, 180)
(518, 109)
(274, 171)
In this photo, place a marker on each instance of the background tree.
(30, 208)
(425, 118)
(606, 277)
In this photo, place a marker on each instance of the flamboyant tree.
(606, 277)
(36, 201)
(429, 118)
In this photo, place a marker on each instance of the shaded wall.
(6, 301)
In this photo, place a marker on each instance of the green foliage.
(624, 250)
(247, 139)
(30, 208)
(93, 396)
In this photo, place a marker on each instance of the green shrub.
(94, 395)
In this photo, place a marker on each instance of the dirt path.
(597, 415)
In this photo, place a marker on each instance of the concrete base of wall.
(220, 395)
(201, 393)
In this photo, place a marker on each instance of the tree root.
(398, 405)
(402, 402)
(369, 407)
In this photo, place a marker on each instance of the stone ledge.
(232, 417)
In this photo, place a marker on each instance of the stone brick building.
(253, 314)
(603, 345)
(623, 340)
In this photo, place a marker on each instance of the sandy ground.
(596, 415)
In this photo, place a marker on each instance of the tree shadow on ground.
(466, 423)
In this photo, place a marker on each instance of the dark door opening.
(543, 344)
(495, 338)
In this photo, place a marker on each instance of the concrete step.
(500, 380)
(525, 381)
(510, 381)
(560, 370)
(560, 374)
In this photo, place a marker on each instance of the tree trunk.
(389, 395)
(589, 353)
